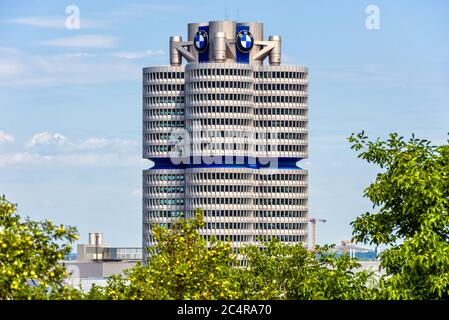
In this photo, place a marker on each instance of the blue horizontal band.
(246, 162)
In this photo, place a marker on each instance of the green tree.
(411, 202)
(29, 255)
(180, 266)
(284, 271)
(183, 266)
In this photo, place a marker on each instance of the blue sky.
(70, 100)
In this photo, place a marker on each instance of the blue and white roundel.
(200, 41)
(244, 41)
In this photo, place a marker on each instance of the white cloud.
(101, 143)
(85, 160)
(6, 137)
(59, 142)
(20, 69)
(47, 139)
(84, 41)
(55, 149)
(53, 22)
(138, 54)
(18, 158)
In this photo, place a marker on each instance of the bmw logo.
(200, 41)
(244, 41)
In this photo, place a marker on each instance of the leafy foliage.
(283, 271)
(181, 266)
(411, 196)
(29, 254)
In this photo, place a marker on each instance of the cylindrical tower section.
(281, 121)
(280, 196)
(192, 29)
(226, 197)
(163, 109)
(256, 29)
(219, 110)
(175, 55)
(275, 53)
(226, 27)
(92, 238)
(163, 199)
(220, 47)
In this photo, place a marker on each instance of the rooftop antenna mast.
(226, 14)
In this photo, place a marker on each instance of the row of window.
(199, 202)
(281, 148)
(226, 213)
(200, 97)
(165, 189)
(164, 124)
(163, 112)
(280, 226)
(158, 148)
(280, 214)
(196, 177)
(227, 122)
(281, 123)
(226, 72)
(280, 86)
(219, 147)
(280, 189)
(220, 109)
(281, 177)
(280, 202)
(226, 97)
(150, 137)
(220, 72)
(280, 99)
(226, 109)
(230, 214)
(164, 100)
(242, 147)
(227, 225)
(227, 188)
(161, 214)
(281, 111)
(246, 238)
(220, 188)
(219, 176)
(220, 85)
(283, 238)
(164, 75)
(280, 75)
(280, 135)
(164, 202)
(157, 88)
(256, 213)
(164, 177)
(224, 122)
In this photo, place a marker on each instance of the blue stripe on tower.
(246, 162)
(241, 57)
(204, 56)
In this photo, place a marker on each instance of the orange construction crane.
(313, 221)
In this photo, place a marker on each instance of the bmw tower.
(225, 125)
